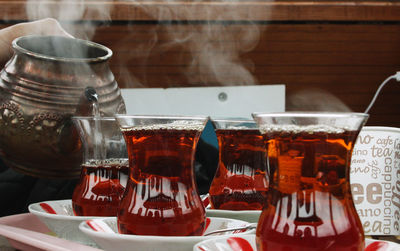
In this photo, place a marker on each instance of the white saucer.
(245, 215)
(59, 217)
(247, 243)
(104, 232)
(27, 232)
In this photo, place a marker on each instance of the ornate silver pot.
(40, 89)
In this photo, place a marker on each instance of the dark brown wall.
(341, 48)
(346, 60)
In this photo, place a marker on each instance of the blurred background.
(330, 55)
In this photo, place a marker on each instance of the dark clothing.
(17, 190)
(205, 166)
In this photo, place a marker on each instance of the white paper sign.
(221, 101)
(375, 180)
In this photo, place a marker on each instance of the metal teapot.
(40, 89)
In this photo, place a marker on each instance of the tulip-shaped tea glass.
(309, 205)
(240, 182)
(161, 197)
(105, 169)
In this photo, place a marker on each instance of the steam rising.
(67, 10)
(215, 48)
(219, 61)
(315, 100)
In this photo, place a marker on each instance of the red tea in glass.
(161, 196)
(310, 205)
(240, 182)
(100, 188)
(105, 167)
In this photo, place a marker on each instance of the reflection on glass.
(310, 206)
(104, 171)
(240, 181)
(161, 196)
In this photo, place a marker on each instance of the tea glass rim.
(93, 118)
(169, 117)
(310, 114)
(234, 124)
(233, 120)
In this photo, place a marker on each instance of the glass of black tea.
(161, 197)
(104, 169)
(240, 181)
(310, 206)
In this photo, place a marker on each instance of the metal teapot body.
(40, 89)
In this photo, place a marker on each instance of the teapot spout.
(88, 104)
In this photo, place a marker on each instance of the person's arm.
(48, 26)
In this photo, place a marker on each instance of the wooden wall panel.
(345, 60)
(339, 48)
(265, 10)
